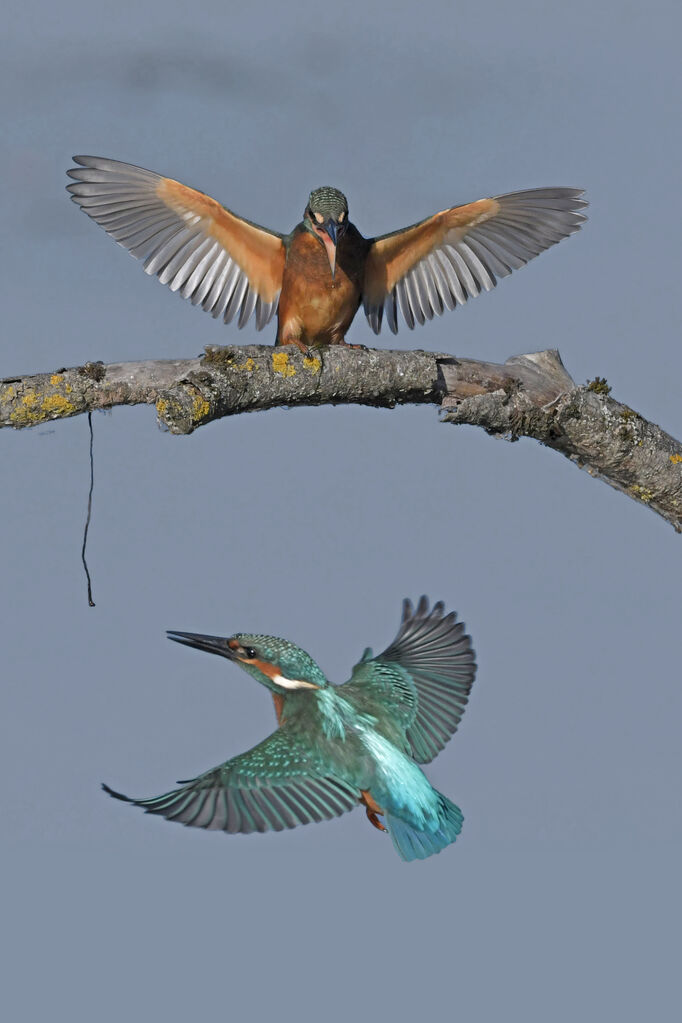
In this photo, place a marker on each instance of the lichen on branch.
(527, 396)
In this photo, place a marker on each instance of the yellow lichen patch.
(249, 365)
(26, 414)
(9, 392)
(200, 407)
(280, 364)
(643, 493)
(161, 407)
(313, 364)
(33, 409)
(58, 378)
(57, 404)
(676, 459)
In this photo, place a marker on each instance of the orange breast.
(313, 308)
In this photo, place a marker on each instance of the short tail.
(412, 844)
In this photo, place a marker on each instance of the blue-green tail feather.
(412, 844)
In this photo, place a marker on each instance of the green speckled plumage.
(328, 202)
(340, 745)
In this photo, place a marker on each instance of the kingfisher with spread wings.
(340, 746)
(316, 277)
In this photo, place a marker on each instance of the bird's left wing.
(422, 679)
(278, 784)
(440, 262)
(227, 265)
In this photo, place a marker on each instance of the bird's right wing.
(424, 677)
(227, 265)
(278, 784)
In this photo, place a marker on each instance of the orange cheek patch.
(268, 669)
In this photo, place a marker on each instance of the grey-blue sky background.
(561, 900)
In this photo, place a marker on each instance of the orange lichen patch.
(392, 257)
(676, 459)
(259, 253)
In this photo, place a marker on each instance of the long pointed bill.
(330, 239)
(211, 644)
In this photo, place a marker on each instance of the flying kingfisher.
(337, 746)
(316, 277)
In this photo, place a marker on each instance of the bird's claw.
(359, 348)
(302, 347)
(373, 819)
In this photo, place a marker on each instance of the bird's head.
(276, 663)
(326, 215)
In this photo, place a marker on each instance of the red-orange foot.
(372, 809)
(373, 819)
(346, 344)
(299, 344)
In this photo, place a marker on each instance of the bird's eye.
(250, 652)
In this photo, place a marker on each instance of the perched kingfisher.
(337, 746)
(316, 277)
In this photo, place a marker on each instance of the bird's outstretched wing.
(440, 262)
(429, 695)
(277, 784)
(221, 262)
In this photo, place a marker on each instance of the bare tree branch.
(527, 396)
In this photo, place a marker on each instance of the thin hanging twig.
(87, 520)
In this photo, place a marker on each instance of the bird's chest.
(312, 305)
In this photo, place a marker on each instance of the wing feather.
(424, 677)
(278, 784)
(194, 245)
(454, 255)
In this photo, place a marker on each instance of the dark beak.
(330, 229)
(211, 644)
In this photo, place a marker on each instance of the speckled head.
(282, 663)
(276, 663)
(328, 203)
(326, 216)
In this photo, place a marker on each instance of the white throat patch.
(292, 683)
